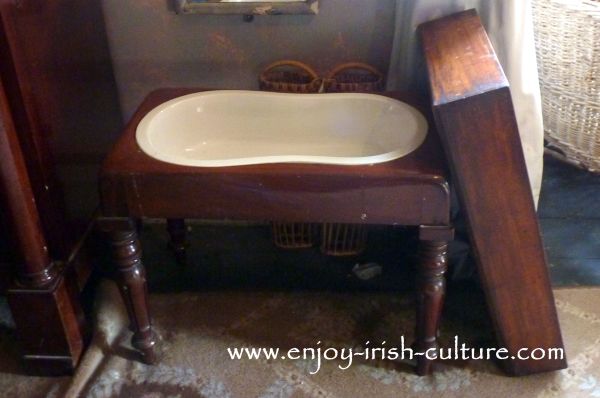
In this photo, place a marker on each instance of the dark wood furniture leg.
(177, 243)
(431, 287)
(131, 279)
(44, 297)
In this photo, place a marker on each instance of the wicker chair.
(568, 52)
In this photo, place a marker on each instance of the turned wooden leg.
(431, 286)
(131, 279)
(44, 297)
(177, 244)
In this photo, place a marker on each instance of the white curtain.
(510, 27)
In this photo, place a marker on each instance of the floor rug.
(198, 328)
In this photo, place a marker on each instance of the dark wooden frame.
(474, 113)
(42, 70)
(32, 132)
(407, 191)
(44, 298)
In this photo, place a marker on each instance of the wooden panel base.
(476, 121)
(50, 326)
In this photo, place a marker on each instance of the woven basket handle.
(354, 65)
(297, 64)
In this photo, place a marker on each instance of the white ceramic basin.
(229, 128)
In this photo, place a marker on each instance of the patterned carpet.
(197, 329)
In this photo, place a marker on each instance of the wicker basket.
(354, 77)
(568, 51)
(288, 76)
(293, 235)
(343, 239)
